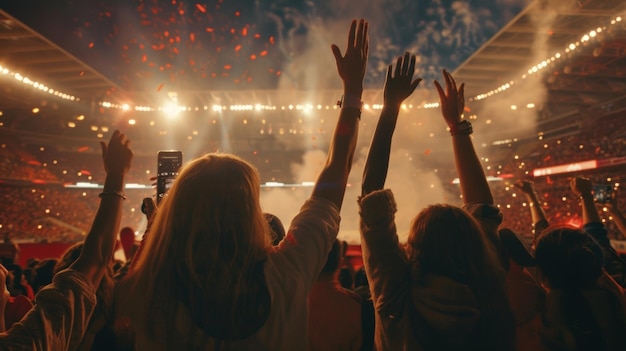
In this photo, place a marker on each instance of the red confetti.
(91, 45)
(192, 37)
(209, 30)
(272, 40)
(237, 13)
(263, 53)
(160, 87)
(253, 57)
(427, 152)
(257, 36)
(228, 67)
(244, 31)
(201, 8)
(237, 48)
(144, 58)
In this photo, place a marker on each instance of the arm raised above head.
(332, 181)
(398, 86)
(474, 186)
(100, 241)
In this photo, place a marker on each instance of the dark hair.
(568, 258)
(446, 240)
(571, 262)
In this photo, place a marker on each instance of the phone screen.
(169, 163)
(602, 192)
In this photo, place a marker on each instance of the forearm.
(331, 183)
(590, 213)
(619, 219)
(536, 211)
(100, 241)
(474, 186)
(377, 164)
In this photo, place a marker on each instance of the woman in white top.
(208, 277)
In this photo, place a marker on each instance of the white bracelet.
(350, 101)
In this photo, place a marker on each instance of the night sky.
(247, 44)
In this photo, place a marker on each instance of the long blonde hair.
(205, 252)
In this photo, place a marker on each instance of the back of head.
(447, 241)
(568, 258)
(207, 242)
(571, 262)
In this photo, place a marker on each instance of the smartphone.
(168, 164)
(602, 193)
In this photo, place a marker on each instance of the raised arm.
(592, 224)
(618, 217)
(583, 188)
(100, 241)
(398, 86)
(537, 213)
(474, 186)
(331, 183)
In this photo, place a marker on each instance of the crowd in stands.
(534, 271)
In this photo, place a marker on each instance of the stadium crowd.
(534, 271)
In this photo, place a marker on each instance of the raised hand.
(351, 66)
(452, 100)
(525, 186)
(581, 186)
(117, 154)
(399, 83)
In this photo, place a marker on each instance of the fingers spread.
(405, 64)
(352, 34)
(398, 67)
(446, 76)
(442, 95)
(412, 65)
(366, 42)
(415, 84)
(360, 36)
(336, 53)
(103, 146)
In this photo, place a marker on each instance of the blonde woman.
(208, 277)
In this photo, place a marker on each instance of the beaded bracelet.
(463, 127)
(112, 193)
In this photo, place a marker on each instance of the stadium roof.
(589, 45)
(592, 73)
(27, 51)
